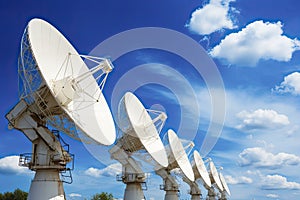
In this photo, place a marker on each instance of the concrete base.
(46, 185)
(171, 195)
(196, 197)
(134, 191)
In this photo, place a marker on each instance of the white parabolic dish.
(180, 155)
(199, 164)
(145, 129)
(50, 50)
(215, 175)
(224, 183)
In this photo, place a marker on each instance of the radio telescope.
(215, 180)
(177, 159)
(139, 132)
(57, 90)
(200, 173)
(225, 186)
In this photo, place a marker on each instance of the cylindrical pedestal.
(211, 194)
(46, 185)
(196, 197)
(211, 198)
(171, 195)
(133, 191)
(223, 196)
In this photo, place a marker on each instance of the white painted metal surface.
(46, 185)
(71, 82)
(223, 181)
(144, 129)
(215, 176)
(179, 155)
(200, 170)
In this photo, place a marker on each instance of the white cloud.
(257, 41)
(10, 165)
(290, 84)
(278, 182)
(237, 180)
(274, 196)
(259, 157)
(75, 195)
(211, 17)
(59, 197)
(111, 170)
(262, 119)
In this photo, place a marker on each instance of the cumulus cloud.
(261, 119)
(211, 17)
(290, 84)
(237, 180)
(278, 182)
(259, 157)
(10, 165)
(110, 171)
(274, 196)
(257, 41)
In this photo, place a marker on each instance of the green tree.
(16, 195)
(103, 196)
(20, 195)
(7, 196)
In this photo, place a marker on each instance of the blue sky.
(254, 45)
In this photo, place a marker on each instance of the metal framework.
(33, 90)
(50, 154)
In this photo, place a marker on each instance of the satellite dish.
(138, 133)
(71, 84)
(226, 188)
(216, 182)
(200, 173)
(200, 169)
(178, 157)
(139, 130)
(214, 176)
(57, 89)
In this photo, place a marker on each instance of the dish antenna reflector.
(225, 186)
(57, 90)
(139, 132)
(215, 180)
(201, 174)
(199, 169)
(177, 159)
(214, 176)
(63, 88)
